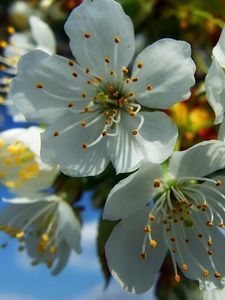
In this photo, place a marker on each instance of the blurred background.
(199, 22)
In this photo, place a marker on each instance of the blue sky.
(80, 280)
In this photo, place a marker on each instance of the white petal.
(157, 137)
(169, 69)
(219, 49)
(58, 87)
(215, 90)
(123, 149)
(67, 151)
(123, 250)
(104, 20)
(63, 258)
(217, 294)
(199, 160)
(221, 133)
(43, 35)
(69, 225)
(132, 193)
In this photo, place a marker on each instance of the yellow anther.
(209, 242)
(42, 248)
(8, 161)
(49, 263)
(135, 79)
(35, 262)
(177, 278)
(86, 109)
(221, 225)
(11, 30)
(140, 64)
(39, 85)
(130, 94)
(2, 174)
(53, 249)
(87, 70)
(124, 70)
(2, 143)
(184, 267)
(84, 95)
(112, 73)
(147, 229)
(209, 252)
(104, 133)
(20, 235)
(1, 98)
(83, 123)
(218, 182)
(87, 35)
(143, 255)
(152, 218)
(114, 111)
(209, 223)
(55, 133)
(156, 183)
(117, 39)
(205, 272)
(174, 250)
(45, 237)
(153, 244)
(99, 79)
(75, 75)
(149, 87)
(173, 239)
(3, 44)
(200, 235)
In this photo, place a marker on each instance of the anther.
(114, 111)
(124, 70)
(83, 123)
(149, 87)
(174, 250)
(153, 244)
(221, 225)
(20, 235)
(143, 255)
(177, 278)
(45, 237)
(55, 133)
(130, 94)
(186, 240)
(134, 132)
(85, 146)
(152, 218)
(87, 35)
(217, 275)
(173, 239)
(135, 79)
(84, 95)
(209, 242)
(53, 249)
(112, 73)
(200, 235)
(86, 109)
(104, 133)
(87, 70)
(184, 267)
(70, 105)
(11, 30)
(107, 60)
(156, 183)
(147, 229)
(74, 74)
(71, 63)
(209, 252)
(140, 64)
(3, 44)
(209, 223)
(218, 182)
(39, 85)
(117, 39)
(205, 272)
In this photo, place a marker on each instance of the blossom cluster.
(108, 105)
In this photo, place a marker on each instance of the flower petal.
(133, 193)
(123, 250)
(221, 133)
(200, 160)
(102, 22)
(45, 85)
(123, 149)
(43, 35)
(157, 137)
(70, 226)
(215, 90)
(219, 49)
(73, 159)
(168, 69)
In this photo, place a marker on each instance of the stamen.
(55, 133)
(39, 85)
(140, 64)
(87, 35)
(117, 39)
(107, 60)
(11, 30)
(205, 272)
(156, 183)
(71, 63)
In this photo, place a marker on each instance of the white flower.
(215, 82)
(46, 227)
(181, 212)
(21, 168)
(93, 107)
(40, 37)
(217, 294)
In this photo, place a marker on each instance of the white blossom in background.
(217, 294)
(214, 82)
(94, 107)
(46, 227)
(40, 37)
(21, 168)
(180, 211)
